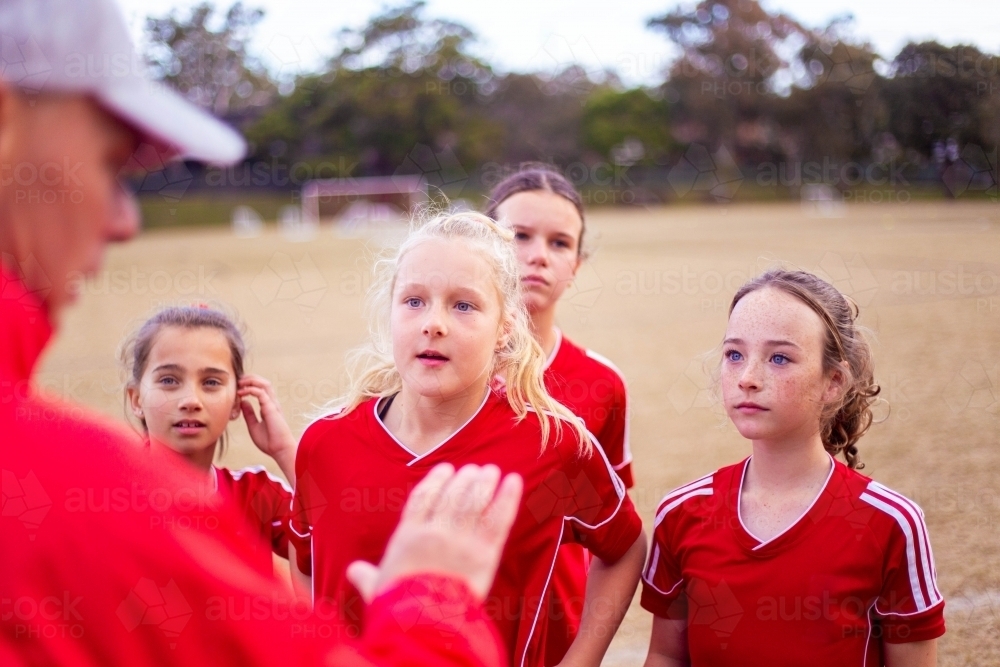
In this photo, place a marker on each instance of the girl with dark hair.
(184, 383)
(791, 557)
(547, 215)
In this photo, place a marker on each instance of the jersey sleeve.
(662, 583)
(599, 514)
(615, 433)
(273, 502)
(305, 498)
(909, 607)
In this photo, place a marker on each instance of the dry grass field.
(653, 299)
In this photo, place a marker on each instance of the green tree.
(938, 93)
(399, 84)
(768, 87)
(626, 127)
(212, 67)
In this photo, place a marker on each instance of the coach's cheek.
(125, 217)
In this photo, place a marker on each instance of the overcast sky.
(521, 35)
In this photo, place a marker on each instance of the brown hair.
(845, 420)
(135, 350)
(534, 177)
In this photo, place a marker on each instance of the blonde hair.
(844, 421)
(519, 363)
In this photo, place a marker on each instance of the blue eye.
(413, 302)
(733, 355)
(560, 244)
(780, 359)
(213, 382)
(463, 306)
(167, 380)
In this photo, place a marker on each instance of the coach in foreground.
(108, 557)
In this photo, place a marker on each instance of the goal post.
(357, 202)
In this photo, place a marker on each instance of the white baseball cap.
(84, 46)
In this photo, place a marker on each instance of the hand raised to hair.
(454, 523)
(270, 431)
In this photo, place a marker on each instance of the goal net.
(358, 203)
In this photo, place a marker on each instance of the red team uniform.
(264, 502)
(353, 478)
(854, 571)
(109, 558)
(594, 390)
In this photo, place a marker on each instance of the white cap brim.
(165, 116)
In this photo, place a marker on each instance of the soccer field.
(653, 298)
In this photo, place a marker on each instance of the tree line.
(754, 98)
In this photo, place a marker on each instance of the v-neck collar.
(419, 457)
(555, 349)
(754, 543)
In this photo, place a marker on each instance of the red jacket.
(111, 558)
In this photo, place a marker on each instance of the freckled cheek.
(729, 382)
(791, 390)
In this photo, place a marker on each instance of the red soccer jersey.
(854, 571)
(110, 558)
(594, 390)
(353, 478)
(264, 502)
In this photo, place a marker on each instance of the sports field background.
(653, 299)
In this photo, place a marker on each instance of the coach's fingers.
(455, 497)
(424, 497)
(497, 520)
(476, 497)
(364, 577)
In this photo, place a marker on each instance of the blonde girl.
(452, 374)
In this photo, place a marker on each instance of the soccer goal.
(357, 203)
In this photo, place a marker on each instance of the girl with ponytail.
(547, 215)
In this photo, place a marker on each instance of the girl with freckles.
(792, 557)
(452, 375)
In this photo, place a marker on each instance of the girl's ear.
(132, 395)
(837, 385)
(506, 325)
(502, 341)
(237, 408)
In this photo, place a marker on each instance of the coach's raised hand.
(454, 523)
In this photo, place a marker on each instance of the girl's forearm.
(301, 583)
(285, 459)
(610, 589)
(914, 654)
